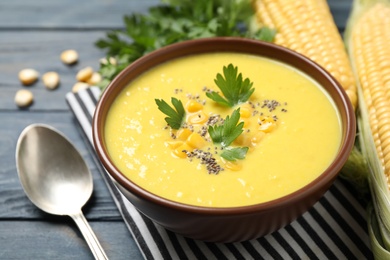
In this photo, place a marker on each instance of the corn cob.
(307, 26)
(367, 39)
(369, 49)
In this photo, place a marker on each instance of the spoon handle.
(89, 235)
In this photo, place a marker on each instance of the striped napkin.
(334, 228)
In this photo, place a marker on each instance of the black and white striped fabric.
(335, 228)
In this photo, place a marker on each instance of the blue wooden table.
(33, 34)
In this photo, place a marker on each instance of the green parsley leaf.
(234, 154)
(175, 114)
(265, 34)
(228, 131)
(235, 90)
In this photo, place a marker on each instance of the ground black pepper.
(205, 158)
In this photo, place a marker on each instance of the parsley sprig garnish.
(234, 88)
(234, 154)
(175, 114)
(225, 133)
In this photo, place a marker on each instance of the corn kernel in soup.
(291, 128)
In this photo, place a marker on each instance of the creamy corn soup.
(291, 132)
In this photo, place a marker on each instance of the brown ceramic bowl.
(235, 223)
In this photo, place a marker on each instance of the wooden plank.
(61, 239)
(75, 14)
(14, 203)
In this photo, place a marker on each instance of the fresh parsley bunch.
(174, 21)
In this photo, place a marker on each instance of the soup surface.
(291, 132)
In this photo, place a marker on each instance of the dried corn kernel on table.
(33, 35)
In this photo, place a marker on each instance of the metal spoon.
(55, 177)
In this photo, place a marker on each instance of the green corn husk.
(355, 171)
(379, 209)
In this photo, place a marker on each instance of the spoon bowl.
(55, 177)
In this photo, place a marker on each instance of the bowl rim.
(225, 44)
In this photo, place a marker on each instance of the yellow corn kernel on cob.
(369, 48)
(307, 27)
(367, 38)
